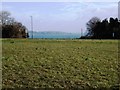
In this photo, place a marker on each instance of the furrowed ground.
(41, 63)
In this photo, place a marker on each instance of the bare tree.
(5, 18)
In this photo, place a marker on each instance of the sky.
(60, 16)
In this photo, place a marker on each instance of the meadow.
(45, 63)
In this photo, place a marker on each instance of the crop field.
(46, 63)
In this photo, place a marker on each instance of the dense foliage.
(105, 29)
(11, 28)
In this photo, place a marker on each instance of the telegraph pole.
(32, 25)
(81, 32)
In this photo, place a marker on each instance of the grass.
(43, 63)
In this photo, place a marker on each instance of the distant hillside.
(53, 34)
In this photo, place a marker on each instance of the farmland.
(45, 63)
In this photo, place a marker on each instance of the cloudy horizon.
(60, 16)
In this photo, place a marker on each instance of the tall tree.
(10, 27)
(91, 25)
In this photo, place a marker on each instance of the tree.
(103, 29)
(5, 18)
(12, 28)
(91, 25)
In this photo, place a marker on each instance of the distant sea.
(53, 35)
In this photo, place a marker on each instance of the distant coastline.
(54, 34)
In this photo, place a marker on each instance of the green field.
(41, 63)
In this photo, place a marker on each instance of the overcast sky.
(60, 16)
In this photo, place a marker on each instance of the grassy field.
(59, 63)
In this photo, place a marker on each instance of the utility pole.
(81, 32)
(32, 25)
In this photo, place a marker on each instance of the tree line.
(105, 29)
(10, 28)
(96, 28)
